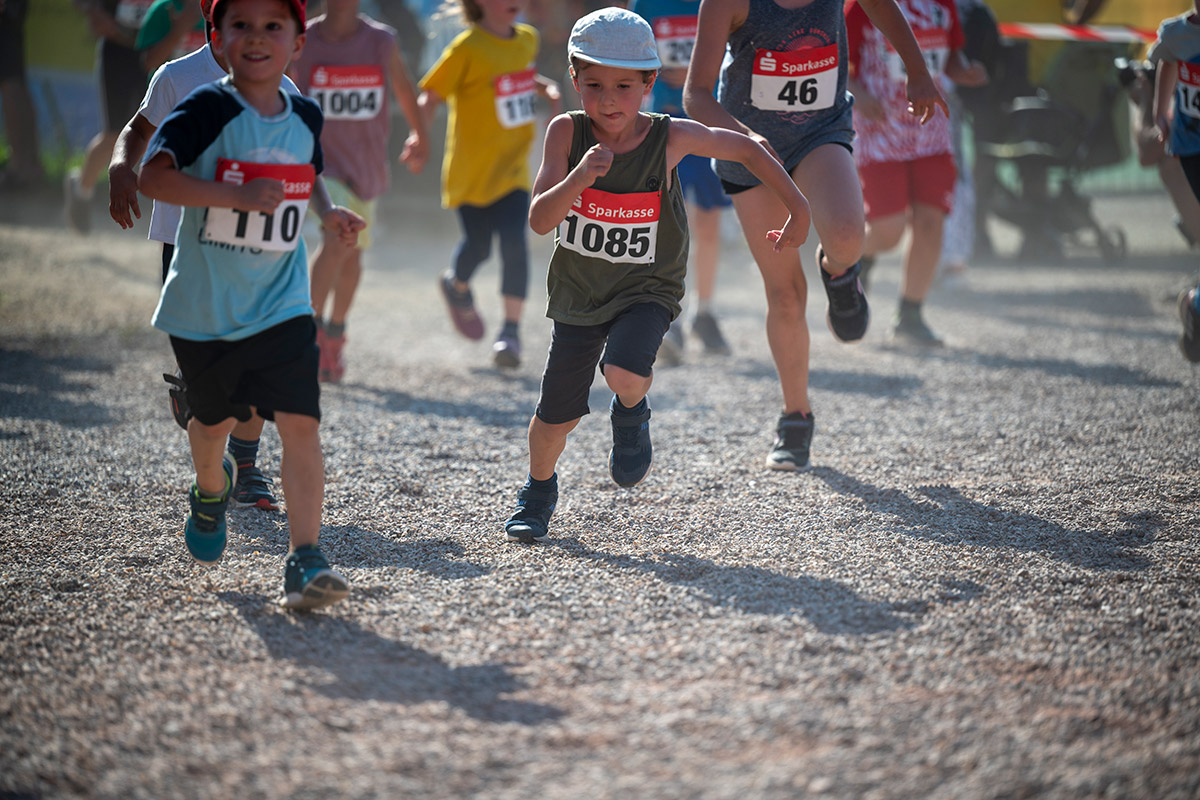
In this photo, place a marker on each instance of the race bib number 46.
(621, 228)
(1188, 100)
(348, 92)
(801, 80)
(514, 98)
(279, 230)
(676, 37)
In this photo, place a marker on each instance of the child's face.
(501, 12)
(258, 38)
(611, 96)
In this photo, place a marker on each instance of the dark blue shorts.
(700, 184)
(630, 342)
(275, 370)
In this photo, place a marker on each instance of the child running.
(608, 183)
(785, 85)
(906, 168)
(1177, 52)
(242, 156)
(487, 77)
(346, 65)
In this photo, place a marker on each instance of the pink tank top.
(348, 79)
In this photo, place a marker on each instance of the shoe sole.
(525, 537)
(861, 336)
(787, 466)
(649, 469)
(262, 502)
(323, 590)
(506, 359)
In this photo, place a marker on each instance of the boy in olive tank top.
(608, 184)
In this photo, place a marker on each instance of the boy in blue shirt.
(242, 158)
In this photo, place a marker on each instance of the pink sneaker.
(462, 309)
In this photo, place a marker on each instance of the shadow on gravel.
(945, 515)
(365, 666)
(352, 546)
(1104, 374)
(36, 387)
(435, 405)
(864, 383)
(830, 606)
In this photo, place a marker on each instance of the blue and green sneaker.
(204, 532)
(309, 582)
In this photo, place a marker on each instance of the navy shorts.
(630, 342)
(122, 83)
(700, 184)
(736, 188)
(275, 370)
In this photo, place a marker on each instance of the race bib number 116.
(279, 230)
(621, 228)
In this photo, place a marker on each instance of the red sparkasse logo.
(806, 61)
(609, 207)
(297, 179)
(347, 77)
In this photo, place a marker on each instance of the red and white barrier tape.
(1075, 33)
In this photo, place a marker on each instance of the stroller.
(1050, 137)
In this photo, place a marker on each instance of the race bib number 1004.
(279, 230)
(621, 228)
(348, 92)
(800, 80)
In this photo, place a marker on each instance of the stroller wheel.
(1113, 246)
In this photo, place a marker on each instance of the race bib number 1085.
(621, 228)
(279, 230)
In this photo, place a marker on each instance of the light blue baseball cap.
(614, 37)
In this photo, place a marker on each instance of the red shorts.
(890, 187)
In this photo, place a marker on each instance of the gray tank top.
(784, 77)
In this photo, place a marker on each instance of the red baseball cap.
(297, 7)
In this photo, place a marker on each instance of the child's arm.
(556, 187)
(161, 180)
(1164, 93)
(549, 90)
(342, 221)
(122, 173)
(427, 103)
(691, 138)
(416, 147)
(924, 99)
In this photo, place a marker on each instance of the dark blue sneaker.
(849, 315)
(204, 533)
(252, 489)
(531, 521)
(631, 454)
(793, 439)
(309, 582)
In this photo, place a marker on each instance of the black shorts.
(12, 40)
(122, 83)
(630, 342)
(736, 188)
(275, 370)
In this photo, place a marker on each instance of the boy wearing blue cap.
(608, 184)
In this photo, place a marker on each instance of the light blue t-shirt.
(1179, 41)
(231, 275)
(673, 22)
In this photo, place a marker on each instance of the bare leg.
(924, 252)
(546, 444)
(327, 267)
(95, 161)
(208, 452)
(303, 474)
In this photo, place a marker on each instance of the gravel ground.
(986, 587)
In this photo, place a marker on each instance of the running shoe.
(849, 315)
(204, 532)
(531, 521)
(309, 582)
(631, 454)
(670, 352)
(1189, 339)
(912, 330)
(177, 398)
(461, 305)
(76, 209)
(793, 440)
(506, 351)
(706, 329)
(253, 490)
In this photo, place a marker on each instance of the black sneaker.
(793, 439)
(253, 490)
(531, 521)
(631, 454)
(912, 330)
(848, 315)
(706, 329)
(177, 398)
(1189, 340)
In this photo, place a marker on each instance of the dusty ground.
(986, 587)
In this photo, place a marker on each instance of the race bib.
(675, 36)
(800, 80)
(278, 231)
(348, 92)
(621, 228)
(131, 13)
(935, 48)
(1187, 101)
(514, 98)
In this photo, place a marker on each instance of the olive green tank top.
(626, 239)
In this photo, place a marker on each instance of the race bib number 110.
(279, 230)
(621, 228)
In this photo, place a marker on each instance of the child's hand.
(345, 223)
(595, 163)
(1164, 129)
(123, 196)
(793, 234)
(924, 99)
(260, 194)
(416, 153)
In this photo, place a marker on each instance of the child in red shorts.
(906, 168)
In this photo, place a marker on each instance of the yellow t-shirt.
(487, 83)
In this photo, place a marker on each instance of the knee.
(843, 243)
(625, 383)
(293, 427)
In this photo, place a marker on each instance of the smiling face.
(258, 39)
(611, 96)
